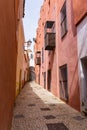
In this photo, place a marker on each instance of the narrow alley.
(43, 65)
(37, 109)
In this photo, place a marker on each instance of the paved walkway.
(37, 109)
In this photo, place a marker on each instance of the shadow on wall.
(74, 75)
(32, 76)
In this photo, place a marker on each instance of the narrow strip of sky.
(30, 21)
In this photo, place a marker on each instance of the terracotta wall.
(67, 54)
(8, 54)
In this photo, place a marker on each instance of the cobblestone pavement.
(38, 109)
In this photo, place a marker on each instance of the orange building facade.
(22, 60)
(26, 62)
(20, 53)
(8, 57)
(11, 40)
(56, 42)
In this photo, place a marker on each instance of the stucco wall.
(82, 52)
(82, 38)
(7, 62)
(80, 9)
(67, 54)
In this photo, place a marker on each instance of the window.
(63, 21)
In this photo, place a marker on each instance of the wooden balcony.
(49, 35)
(49, 41)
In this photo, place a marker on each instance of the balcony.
(50, 35)
(50, 41)
(38, 58)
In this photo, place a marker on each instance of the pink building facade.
(56, 41)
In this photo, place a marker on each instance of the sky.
(30, 21)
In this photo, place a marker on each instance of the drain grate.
(19, 116)
(57, 126)
(49, 117)
(79, 118)
(37, 98)
(29, 94)
(22, 98)
(52, 105)
(31, 105)
(45, 109)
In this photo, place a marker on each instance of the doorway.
(84, 84)
(63, 82)
(44, 80)
(49, 80)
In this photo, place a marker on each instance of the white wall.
(31, 60)
(82, 52)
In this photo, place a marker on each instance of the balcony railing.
(49, 37)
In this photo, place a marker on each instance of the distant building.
(82, 61)
(32, 76)
(31, 59)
